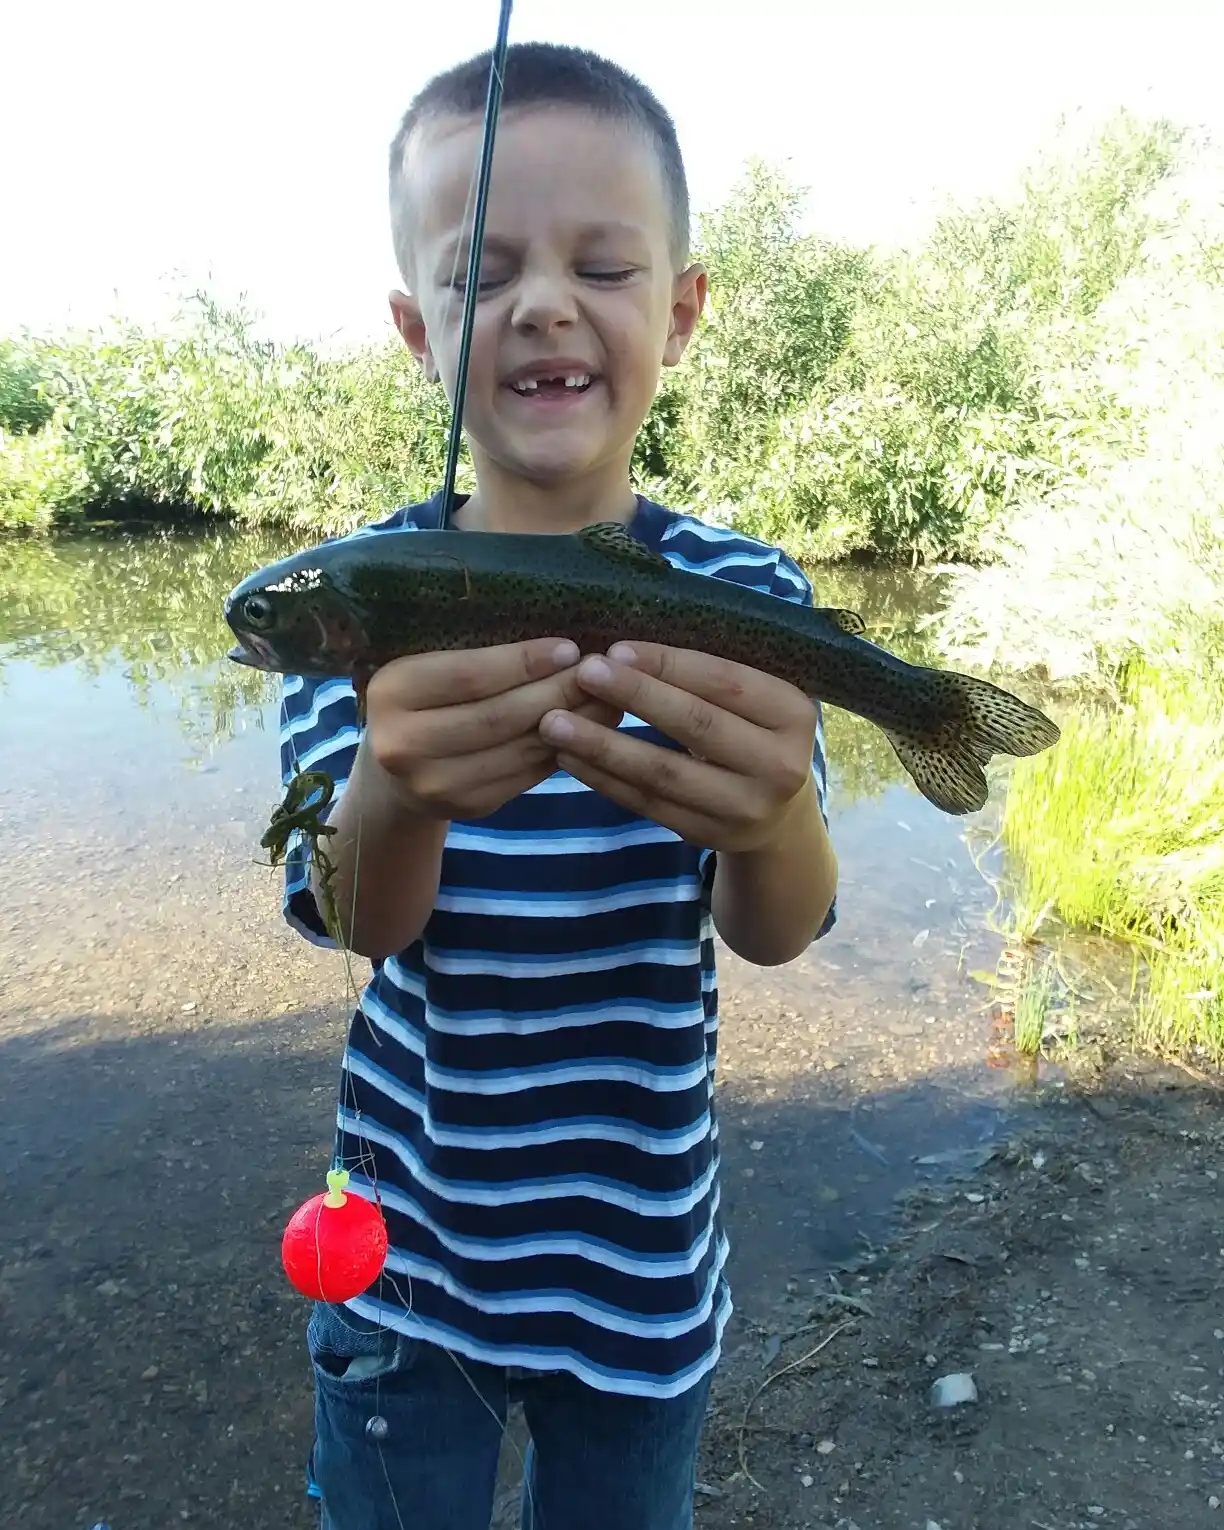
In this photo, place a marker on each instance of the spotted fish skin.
(355, 605)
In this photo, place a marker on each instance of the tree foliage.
(836, 400)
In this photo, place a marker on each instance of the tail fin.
(977, 721)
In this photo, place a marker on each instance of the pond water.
(118, 641)
(141, 765)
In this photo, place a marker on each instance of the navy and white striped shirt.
(530, 1084)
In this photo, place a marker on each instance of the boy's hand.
(457, 734)
(750, 738)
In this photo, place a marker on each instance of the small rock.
(1213, 1502)
(806, 1479)
(107, 1288)
(708, 1490)
(826, 1447)
(950, 1391)
(188, 1009)
(150, 1373)
(755, 1147)
(931, 1525)
(1096, 1510)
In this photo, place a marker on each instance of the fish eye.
(257, 609)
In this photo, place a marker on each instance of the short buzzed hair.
(546, 74)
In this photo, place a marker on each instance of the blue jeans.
(597, 1460)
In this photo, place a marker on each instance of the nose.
(544, 302)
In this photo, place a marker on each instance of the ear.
(688, 300)
(406, 312)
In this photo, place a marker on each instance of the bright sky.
(149, 145)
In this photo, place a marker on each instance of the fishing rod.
(497, 67)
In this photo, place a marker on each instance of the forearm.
(387, 862)
(769, 904)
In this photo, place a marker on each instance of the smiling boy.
(535, 848)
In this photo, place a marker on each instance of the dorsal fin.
(845, 621)
(611, 540)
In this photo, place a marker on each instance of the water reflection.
(892, 602)
(144, 610)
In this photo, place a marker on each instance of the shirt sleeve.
(318, 731)
(790, 583)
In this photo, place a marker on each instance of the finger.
(692, 826)
(598, 712)
(752, 694)
(426, 680)
(488, 799)
(406, 734)
(477, 777)
(509, 770)
(700, 726)
(664, 778)
(528, 749)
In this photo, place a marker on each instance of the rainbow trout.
(352, 606)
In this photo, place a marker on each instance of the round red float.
(335, 1244)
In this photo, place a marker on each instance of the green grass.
(1120, 828)
(1033, 999)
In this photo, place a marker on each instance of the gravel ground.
(168, 1059)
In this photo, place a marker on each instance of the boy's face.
(576, 281)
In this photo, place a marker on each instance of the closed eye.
(490, 284)
(485, 284)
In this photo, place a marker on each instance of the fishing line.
(476, 203)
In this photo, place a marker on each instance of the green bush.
(214, 420)
(23, 407)
(836, 399)
(1123, 555)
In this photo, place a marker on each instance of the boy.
(548, 843)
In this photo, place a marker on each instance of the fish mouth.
(252, 653)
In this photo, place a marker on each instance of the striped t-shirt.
(530, 1084)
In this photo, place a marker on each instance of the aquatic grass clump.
(1120, 828)
(1184, 1004)
(1034, 997)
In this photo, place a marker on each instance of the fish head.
(291, 618)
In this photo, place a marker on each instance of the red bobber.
(335, 1244)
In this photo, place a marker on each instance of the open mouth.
(564, 385)
(252, 652)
